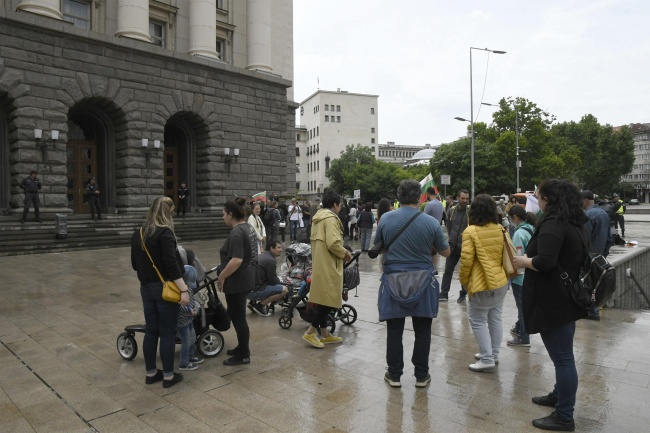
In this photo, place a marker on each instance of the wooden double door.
(170, 172)
(81, 167)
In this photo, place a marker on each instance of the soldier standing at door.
(183, 194)
(32, 186)
(92, 193)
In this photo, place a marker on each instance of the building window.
(372, 130)
(221, 4)
(157, 33)
(338, 108)
(327, 107)
(221, 49)
(297, 151)
(297, 137)
(317, 148)
(331, 107)
(77, 12)
(327, 118)
(310, 133)
(338, 119)
(372, 111)
(317, 132)
(297, 185)
(317, 165)
(372, 141)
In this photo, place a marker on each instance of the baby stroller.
(295, 271)
(209, 342)
(347, 314)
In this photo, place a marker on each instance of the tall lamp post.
(471, 101)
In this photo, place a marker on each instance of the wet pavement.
(60, 371)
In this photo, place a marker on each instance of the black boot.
(554, 423)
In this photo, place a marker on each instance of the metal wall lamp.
(43, 143)
(148, 150)
(228, 158)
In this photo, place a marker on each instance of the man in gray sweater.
(457, 221)
(271, 288)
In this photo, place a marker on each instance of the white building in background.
(405, 155)
(639, 177)
(328, 122)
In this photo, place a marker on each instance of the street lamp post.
(471, 101)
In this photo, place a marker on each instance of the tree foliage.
(591, 154)
(357, 168)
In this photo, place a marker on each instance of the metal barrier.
(627, 296)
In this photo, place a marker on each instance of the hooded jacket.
(327, 257)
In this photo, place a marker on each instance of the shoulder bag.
(509, 254)
(170, 291)
(373, 252)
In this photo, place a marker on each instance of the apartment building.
(329, 122)
(639, 177)
(144, 95)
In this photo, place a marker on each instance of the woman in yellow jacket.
(482, 273)
(328, 256)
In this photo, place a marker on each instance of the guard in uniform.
(183, 194)
(32, 186)
(92, 194)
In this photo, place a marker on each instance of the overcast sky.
(569, 57)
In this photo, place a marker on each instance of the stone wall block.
(10, 78)
(29, 112)
(55, 115)
(60, 169)
(72, 88)
(177, 97)
(112, 88)
(188, 101)
(123, 97)
(98, 85)
(56, 157)
(135, 162)
(146, 96)
(84, 84)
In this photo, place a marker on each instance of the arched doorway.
(179, 156)
(91, 152)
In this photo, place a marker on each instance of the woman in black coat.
(555, 247)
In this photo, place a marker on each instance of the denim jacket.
(407, 291)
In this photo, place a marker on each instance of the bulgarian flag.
(260, 196)
(425, 184)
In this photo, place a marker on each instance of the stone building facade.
(141, 114)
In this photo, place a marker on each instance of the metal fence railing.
(627, 295)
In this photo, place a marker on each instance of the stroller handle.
(355, 258)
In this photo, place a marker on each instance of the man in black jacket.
(32, 186)
(457, 221)
(271, 288)
(92, 193)
(183, 194)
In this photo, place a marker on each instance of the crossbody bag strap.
(402, 229)
(150, 258)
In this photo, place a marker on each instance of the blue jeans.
(484, 312)
(188, 343)
(517, 292)
(267, 291)
(160, 318)
(365, 235)
(421, 347)
(559, 344)
(293, 229)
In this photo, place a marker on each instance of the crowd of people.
(547, 238)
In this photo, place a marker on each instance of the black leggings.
(237, 312)
(320, 321)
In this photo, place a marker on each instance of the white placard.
(445, 179)
(357, 194)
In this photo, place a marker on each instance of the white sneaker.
(482, 366)
(477, 356)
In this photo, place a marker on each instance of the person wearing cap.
(619, 208)
(92, 195)
(598, 229)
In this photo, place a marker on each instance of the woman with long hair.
(524, 226)
(481, 271)
(555, 248)
(157, 236)
(328, 255)
(260, 230)
(237, 277)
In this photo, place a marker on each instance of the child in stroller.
(298, 276)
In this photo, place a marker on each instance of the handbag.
(379, 246)
(509, 254)
(170, 291)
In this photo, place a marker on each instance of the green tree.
(341, 171)
(601, 155)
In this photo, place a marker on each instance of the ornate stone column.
(203, 28)
(133, 19)
(258, 46)
(48, 8)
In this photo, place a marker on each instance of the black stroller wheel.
(126, 346)
(347, 314)
(210, 343)
(284, 322)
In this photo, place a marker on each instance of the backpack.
(596, 280)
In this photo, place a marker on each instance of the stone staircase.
(84, 234)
